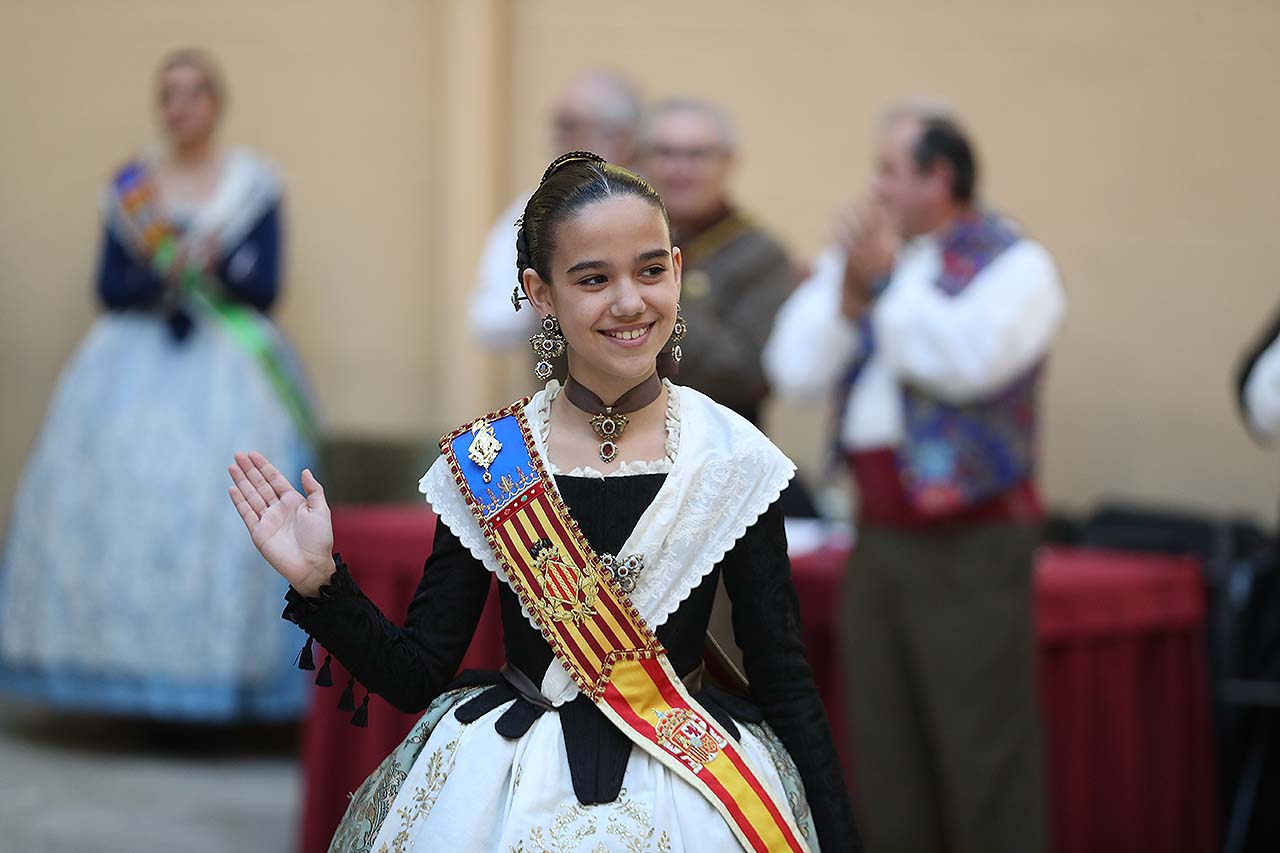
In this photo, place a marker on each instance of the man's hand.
(870, 245)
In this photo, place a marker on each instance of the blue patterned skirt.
(128, 583)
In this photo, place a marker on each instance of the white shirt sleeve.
(969, 346)
(494, 323)
(1262, 394)
(811, 342)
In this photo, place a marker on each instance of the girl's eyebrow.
(585, 265)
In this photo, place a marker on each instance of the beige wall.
(342, 96)
(1133, 139)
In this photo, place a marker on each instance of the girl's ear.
(539, 292)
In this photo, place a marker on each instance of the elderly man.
(930, 322)
(736, 275)
(598, 111)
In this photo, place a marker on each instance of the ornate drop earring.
(547, 344)
(678, 331)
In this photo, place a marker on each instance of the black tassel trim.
(348, 700)
(361, 717)
(324, 678)
(305, 659)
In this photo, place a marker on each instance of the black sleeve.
(408, 666)
(766, 625)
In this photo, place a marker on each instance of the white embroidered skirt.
(464, 788)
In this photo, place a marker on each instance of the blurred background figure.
(1252, 698)
(598, 112)
(124, 586)
(1260, 385)
(930, 320)
(736, 275)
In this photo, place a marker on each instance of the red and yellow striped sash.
(596, 633)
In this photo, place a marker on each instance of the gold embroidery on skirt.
(625, 819)
(424, 797)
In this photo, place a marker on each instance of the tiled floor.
(83, 785)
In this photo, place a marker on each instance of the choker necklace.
(610, 422)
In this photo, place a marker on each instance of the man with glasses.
(736, 276)
(598, 111)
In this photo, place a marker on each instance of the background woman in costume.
(521, 760)
(152, 604)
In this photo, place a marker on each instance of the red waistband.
(883, 499)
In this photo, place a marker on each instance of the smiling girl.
(610, 508)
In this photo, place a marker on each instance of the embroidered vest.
(955, 456)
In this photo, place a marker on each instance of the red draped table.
(1122, 671)
(1123, 690)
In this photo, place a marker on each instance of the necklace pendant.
(609, 426)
